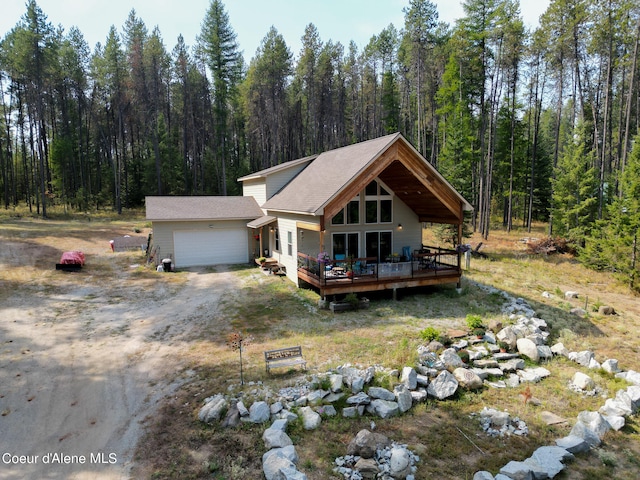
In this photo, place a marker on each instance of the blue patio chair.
(406, 253)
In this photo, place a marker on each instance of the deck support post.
(395, 294)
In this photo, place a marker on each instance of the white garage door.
(210, 247)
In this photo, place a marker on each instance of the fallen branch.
(471, 441)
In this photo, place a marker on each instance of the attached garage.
(210, 247)
(201, 231)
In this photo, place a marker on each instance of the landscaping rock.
(368, 468)
(310, 419)
(483, 475)
(571, 294)
(467, 379)
(360, 398)
(275, 438)
(213, 409)
(508, 336)
(381, 393)
(384, 408)
(403, 398)
(518, 470)
(336, 382)
(289, 473)
(610, 365)
(366, 443)
(552, 459)
(578, 312)
(451, 359)
(399, 463)
(573, 444)
(560, 349)
(583, 382)
(259, 412)
(272, 464)
(528, 348)
(409, 377)
(443, 386)
(583, 431)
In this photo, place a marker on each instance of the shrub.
(429, 334)
(474, 321)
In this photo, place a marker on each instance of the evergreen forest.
(529, 125)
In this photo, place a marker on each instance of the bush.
(474, 321)
(430, 334)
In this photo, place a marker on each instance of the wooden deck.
(362, 275)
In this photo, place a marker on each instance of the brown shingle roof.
(202, 208)
(326, 175)
(277, 168)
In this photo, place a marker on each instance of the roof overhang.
(262, 221)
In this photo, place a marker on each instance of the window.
(290, 244)
(277, 239)
(378, 204)
(351, 213)
(346, 245)
(378, 244)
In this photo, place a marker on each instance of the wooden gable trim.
(432, 181)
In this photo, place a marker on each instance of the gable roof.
(334, 177)
(185, 208)
(328, 174)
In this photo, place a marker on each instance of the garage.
(201, 231)
(210, 247)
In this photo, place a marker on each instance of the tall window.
(346, 245)
(290, 244)
(277, 239)
(378, 244)
(350, 213)
(378, 204)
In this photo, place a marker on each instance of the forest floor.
(111, 363)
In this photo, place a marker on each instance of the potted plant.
(503, 346)
(464, 356)
(262, 260)
(479, 332)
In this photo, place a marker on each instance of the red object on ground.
(72, 258)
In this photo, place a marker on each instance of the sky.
(336, 20)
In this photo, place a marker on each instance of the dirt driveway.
(83, 361)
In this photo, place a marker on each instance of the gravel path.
(80, 371)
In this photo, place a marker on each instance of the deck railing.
(427, 261)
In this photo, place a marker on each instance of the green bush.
(429, 334)
(474, 321)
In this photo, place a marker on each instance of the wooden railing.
(427, 261)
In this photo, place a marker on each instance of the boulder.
(610, 365)
(616, 422)
(232, 418)
(571, 294)
(335, 382)
(483, 475)
(384, 408)
(451, 359)
(583, 358)
(581, 430)
(443, 386)
(367, 467)
(213, 409)
(518, 470)
(366, 443)
(560, 349)
(578, 312)
(403, 397)
(274, 464)
(360, 398)
(275, 438)
(528, 348)
(573, 444)
(310, 419)
(583, 382)
(467, 379)
(259, 412)
(508, 336)
(381, 393)
(409, 377)
(399, 463)
(289, 473)
(551, 459)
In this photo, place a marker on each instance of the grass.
(276, 314)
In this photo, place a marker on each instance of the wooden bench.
(284, 357)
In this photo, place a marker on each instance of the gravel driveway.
(83, 364)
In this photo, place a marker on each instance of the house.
(346, 220)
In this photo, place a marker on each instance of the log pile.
(550, 245)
